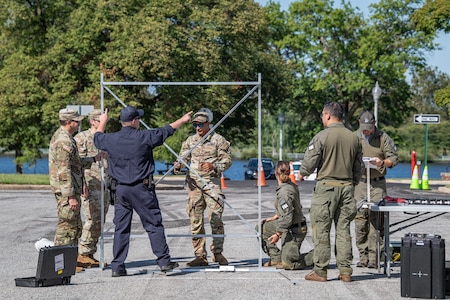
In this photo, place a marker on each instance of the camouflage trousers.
(368, 223)
(68, 230)
(92, 221)
(332, 204)
(291, 243)
(200, 199)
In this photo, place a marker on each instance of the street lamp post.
(376, 92)
(281, 121)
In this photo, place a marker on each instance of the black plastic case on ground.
(55, 267)
(447, 277)
(423, 266)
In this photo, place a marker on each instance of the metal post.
(102, 188)
(281, 121)
(426, 145)
(259, 175)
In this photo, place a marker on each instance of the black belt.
(299, 225)
(373, 179)
(145, 181)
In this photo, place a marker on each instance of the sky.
(438, 58)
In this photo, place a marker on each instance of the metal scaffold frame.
(256, 86)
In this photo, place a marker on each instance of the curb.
(21, 187)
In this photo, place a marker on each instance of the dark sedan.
(251, 169)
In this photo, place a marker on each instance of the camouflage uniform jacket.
(88, 151)
(214, 149)
(378, 145)
(336, 153)
(65, 166)
(288, 206)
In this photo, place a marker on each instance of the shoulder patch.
(67, 148)
(283, 204)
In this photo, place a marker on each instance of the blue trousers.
(144, 201)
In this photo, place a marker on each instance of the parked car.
(296, 166)
(251, 168)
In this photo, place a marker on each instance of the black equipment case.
(55, 267)
(447, 277)
(423, 266)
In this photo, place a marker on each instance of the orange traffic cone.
(261, 180)
(291, 174)
(222, 182)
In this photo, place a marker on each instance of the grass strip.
(32, 179)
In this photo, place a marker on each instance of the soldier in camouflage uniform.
(336, 153)
(93, 159)
(377, 145)
(288, 224)
(66, 178)
(209, 159)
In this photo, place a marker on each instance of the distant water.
(236, 172)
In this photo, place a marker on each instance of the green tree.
(433, 16)
(336, 54)
(424, 86)
(22, 85)
(199, 41)
(58, 49)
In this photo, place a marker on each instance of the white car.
(296, 165)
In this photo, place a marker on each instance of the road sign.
(427, 119)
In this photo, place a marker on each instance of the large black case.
(423, 266)
(55, 266)
(447, 277)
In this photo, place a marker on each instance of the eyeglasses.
(199, 125)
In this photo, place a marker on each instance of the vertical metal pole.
(102, 189)
(259, 176)
(426, 145)
(281, 142)
(368, 182)
(375, 111)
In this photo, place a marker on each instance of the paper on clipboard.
(367, 163)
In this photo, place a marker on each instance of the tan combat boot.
(87, 261)
(198, 262)
(277, 264)
(220, 259)
(313, 276)
(345, 277)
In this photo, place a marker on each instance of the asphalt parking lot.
(29, 215)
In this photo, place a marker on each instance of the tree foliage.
(52, 54)
(424, 87)
(54, 51)
(336, 54)
(433, 16)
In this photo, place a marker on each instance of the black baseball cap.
(129, 113)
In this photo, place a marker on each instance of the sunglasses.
(199, 125)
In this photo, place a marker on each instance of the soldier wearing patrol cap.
(66, 178)
(377, 145)
(209, 160)
(93, 160)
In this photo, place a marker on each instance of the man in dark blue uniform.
(131, 164)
